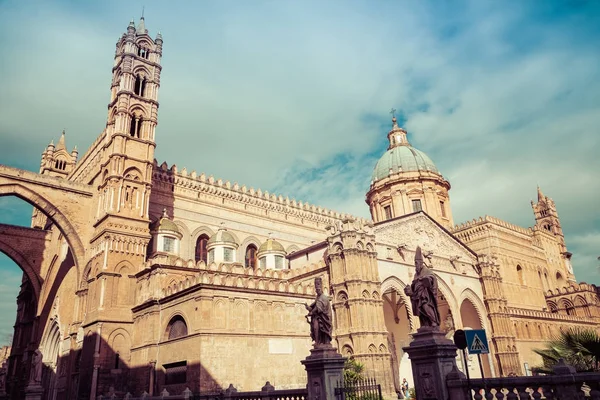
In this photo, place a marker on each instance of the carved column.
(96, 363)
(502, 336)
(354, 278)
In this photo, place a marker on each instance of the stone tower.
(546, 217)
(502, 333)
(129, 140)
(354, 277)
(56, 160)
(405, 180)
(550, 235)
(121, 223)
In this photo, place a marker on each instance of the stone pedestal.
(34, 392)
(432, 357)
(325, 370)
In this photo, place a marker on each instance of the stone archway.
(471, 319)
(21, 258)
(51, 211)
(399, 323)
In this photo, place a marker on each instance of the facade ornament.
(423, 293)
(320, 317)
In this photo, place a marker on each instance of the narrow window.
(168, 244)
(417, 205)
(211, 256)
(388, 212)
(263, 263)
(227, 254)
(201, 251)
(251, 256)
(117, 361)
(142, 88)
(443, 208)
(278, 262)
(175, 373)
(520, 275)
(137, 85)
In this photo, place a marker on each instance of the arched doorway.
(471, 320)
(50, 349)
(398, 322)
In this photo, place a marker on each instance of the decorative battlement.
(234, 275)
(573, 288)
(235, 192)
(519, 312)
(477, 222)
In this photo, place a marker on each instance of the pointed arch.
(53, 213)
(26, 267)
(469, 294)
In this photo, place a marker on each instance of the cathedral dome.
(221, 237)
(402, 159)
(165, 224)
(271, 246)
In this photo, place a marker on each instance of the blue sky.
(293, 97)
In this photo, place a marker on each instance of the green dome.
(402, 158)
(222, 237)
(271, 245)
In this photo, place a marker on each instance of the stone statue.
(423, 293)
(36, 368)
(320, 316)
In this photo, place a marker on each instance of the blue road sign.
(477, 342)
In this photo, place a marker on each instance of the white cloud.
(292, 96)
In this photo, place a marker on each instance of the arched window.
(251, 256)
(135, 127)
(201, 251)
(177, 328)
(560, 280)
(520, 275)
(569, 307)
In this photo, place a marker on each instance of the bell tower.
(122, 226)
(546, 217)
(547, 221)
(129, 137)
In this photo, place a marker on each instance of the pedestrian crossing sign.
(477, 342)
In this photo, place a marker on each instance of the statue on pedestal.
(35, 376)
(423, 293)
(320, 316)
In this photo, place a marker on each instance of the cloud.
(292, 97)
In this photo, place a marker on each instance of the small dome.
(165, 224)
(221, 237)
(271, 246)
(402, 159)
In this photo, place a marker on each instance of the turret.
(56, 160)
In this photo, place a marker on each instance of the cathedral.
(140, 276)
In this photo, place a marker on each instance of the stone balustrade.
(564, 384)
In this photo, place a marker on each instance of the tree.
(353, 371)
(578, 347)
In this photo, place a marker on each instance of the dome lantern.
(166, 235)
(271, 254)
(222, 247)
